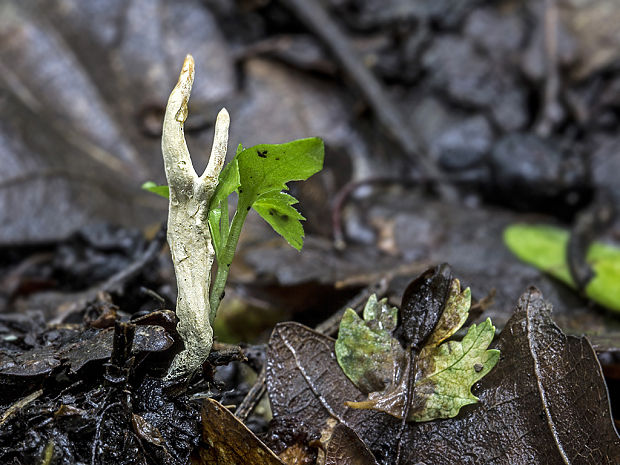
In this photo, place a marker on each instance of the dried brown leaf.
(346, 448)
(227, 441)
(545, 401)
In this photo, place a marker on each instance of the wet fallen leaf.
(346, 448)
(148, 338)
(86, 117)
(227, 441)
(365, 348)
(545, 401)
(423, 304)
(443, 374)
(92, 345)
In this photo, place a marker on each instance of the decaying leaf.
(227, 441)
(292, 441)
(365, 348)
(305, 380)
(444, 377)
(544, 402)
(17, 368)
(444, 374)
(423, 303)
(346, 448)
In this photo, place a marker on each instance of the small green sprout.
(545, 247)
(199, 227)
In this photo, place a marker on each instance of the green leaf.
(275, 208)
(268, 167)
(448, 372)
(454, 315)
(444, 372)
(162, 191)
(264, 171)
(545, 247)
(365, 349)
(259, 174)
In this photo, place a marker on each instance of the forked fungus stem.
(188, 230)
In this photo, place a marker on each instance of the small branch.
(316, 19)
(253, 397)
(550, 111)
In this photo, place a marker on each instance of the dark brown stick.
(549, 112)
(316, 19)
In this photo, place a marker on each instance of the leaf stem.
(224, 262)
(224, 221)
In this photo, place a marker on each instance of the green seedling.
(545, 247)
(199, 227)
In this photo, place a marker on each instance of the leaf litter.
(444, 373)
(544, 402)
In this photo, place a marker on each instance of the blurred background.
(444, 122)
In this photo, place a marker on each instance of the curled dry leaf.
(545, 401)
(423, 304)
(227, 441)
(346, 448)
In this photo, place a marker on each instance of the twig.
(112, 284)
(343, 195)
(589, 224)
(549, 111)
(18, 405)
(151, 251)
(253, 397)
(316, 19)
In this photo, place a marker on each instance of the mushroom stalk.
(188, 229)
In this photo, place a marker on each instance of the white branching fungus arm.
(188, 230)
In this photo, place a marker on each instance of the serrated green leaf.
(259, 174)
(445, 372)
(275, 208)
(545, 247)
(162, 191)
(365, 349)
(268, 167)
(264, 171)
(454, 315)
